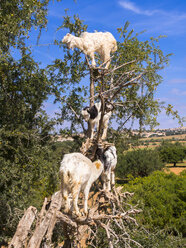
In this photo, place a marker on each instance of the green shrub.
(157, 239)
(139, 162)
(162, 198)
(27, 179)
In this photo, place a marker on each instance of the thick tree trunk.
(20, 238)
(47, 224)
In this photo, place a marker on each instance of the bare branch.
(127, 63)
(131, 82)
(78, 118)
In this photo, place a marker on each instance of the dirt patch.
(175, 170)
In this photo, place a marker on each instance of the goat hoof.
(85, 213)
(77, 214)
(66, 211)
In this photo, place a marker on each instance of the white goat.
(78, 173)
(110, 161)
(89, 43)
(93, 116)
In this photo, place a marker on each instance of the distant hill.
(161, 132)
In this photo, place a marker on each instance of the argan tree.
(129, 85)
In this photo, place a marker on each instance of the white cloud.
(131, 6)
(178, 92)
(178, 81)
(171, 15)
(159, 21)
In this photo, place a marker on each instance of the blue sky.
(160, 17)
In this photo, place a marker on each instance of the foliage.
(144, 60)
(27, 173)
(138, 163)
(27, 176)
(59, 149)
(162, 199)
(172, 152)
(17, 17)
(29, 160)
(66, 74)
(157, 238)
(24, 87)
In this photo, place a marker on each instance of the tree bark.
(48, 221)
(20, 237)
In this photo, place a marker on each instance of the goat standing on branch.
(110, 161)
(78, 173)
(89, 43)
(93, 116)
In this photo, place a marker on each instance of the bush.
(139, 162)
(157, 239)
(162, 198)
(172, 152)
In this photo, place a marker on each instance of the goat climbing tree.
(128, 85)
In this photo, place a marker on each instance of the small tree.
(172, 152)
(141, 162)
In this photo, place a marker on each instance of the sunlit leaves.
(17, 17)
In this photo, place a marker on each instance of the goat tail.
(65, 176)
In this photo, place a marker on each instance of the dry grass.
(176, 137)
(155, 141)
(175, 170)
(181, 166)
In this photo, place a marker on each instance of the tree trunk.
(20, 238)
(47, 223)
